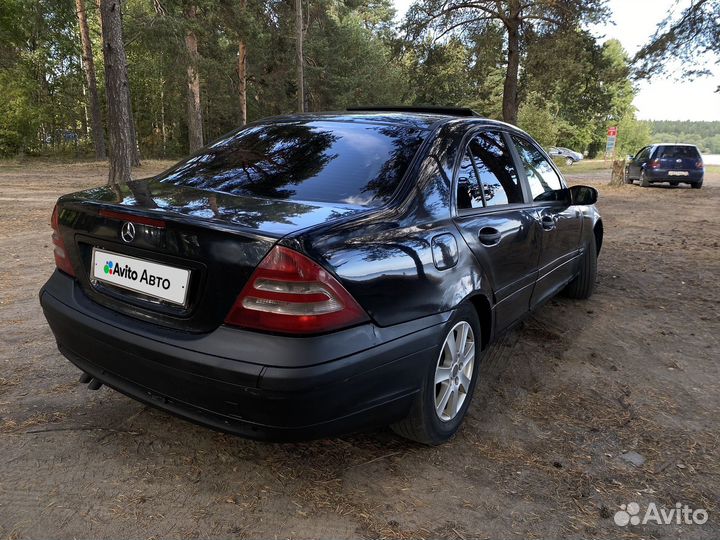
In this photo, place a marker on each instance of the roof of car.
(420, 117)
(674, 144)
(427, 109)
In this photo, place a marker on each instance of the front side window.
(643, 154)
(355, 163)
(545, 183)
(487, 176)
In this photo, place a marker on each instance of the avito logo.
(681, 514)
(114, 269)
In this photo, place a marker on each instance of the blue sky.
(664, 98)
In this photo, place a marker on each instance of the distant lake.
(711, 159)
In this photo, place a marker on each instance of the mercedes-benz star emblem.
(127, 233)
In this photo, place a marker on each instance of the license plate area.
(677, 173)
(155, 281)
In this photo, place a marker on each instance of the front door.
(560, 223)
(636, 163)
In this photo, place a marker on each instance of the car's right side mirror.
(583, 195)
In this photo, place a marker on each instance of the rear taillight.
(61, 256)
(655, 164)
(699, 164)
(291, 294)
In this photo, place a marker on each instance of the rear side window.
(487, 175)
(469, 190)
(350, 163)
(676, 152)
(545, 183)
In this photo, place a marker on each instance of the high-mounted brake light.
(291, 294)
(159, 223)
(61, 257)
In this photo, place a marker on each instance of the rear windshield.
(677, 152)
(351, 163)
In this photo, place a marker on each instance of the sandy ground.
(559, 401)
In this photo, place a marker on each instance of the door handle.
(548, 222)
(489, 236)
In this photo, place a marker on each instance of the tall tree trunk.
(194, 108)
(162, 117)
(242, 72)
(86, 115)
(135, 157)
(118, 93)
(88, 63)
(510, 89)
(300, 62)
(97, 3)
(242, 81)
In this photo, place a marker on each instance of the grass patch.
(587, 165)
(595, 165)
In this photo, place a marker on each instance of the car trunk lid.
(215, 239)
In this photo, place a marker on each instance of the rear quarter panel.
(385, 259)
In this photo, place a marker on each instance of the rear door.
(495, 218)
(560, 223)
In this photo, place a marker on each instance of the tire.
(696, 185)
(583, 285)
(674, 184)
(569, 161)
(424, 423)
(643, 180)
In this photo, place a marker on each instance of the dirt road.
(559, 401)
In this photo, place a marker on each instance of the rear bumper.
(255, 385)
(663, 175)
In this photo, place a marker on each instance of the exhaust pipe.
(94, 384)
(85, 378)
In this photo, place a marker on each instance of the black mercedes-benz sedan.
(316, 274)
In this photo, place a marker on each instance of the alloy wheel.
(454, 370)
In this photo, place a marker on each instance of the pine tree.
(88, 63)
(118, 93)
